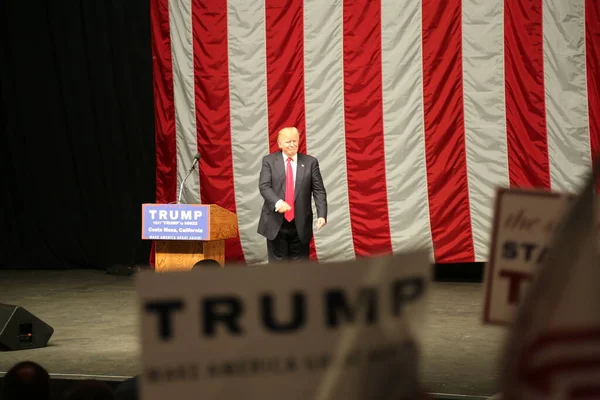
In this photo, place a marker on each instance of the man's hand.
(283, 207)
(321, 223)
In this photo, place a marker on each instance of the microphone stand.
(184, 179)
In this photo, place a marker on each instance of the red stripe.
(285, 68)
(363, 113)
(445, 152)
(164, 105)
(528, 161)
(284, 26)
(592, 48)
(211, 78)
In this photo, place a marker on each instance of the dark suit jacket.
(272, 188)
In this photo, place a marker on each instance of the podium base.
(174, 255)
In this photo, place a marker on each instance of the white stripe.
(485, 115)
(325, 139)
(249, 130)
(403, 125)
(566, 101)
(182, 52)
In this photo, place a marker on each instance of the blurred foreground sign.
(295, 331)
(553, 348)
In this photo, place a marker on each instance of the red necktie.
(289, 190)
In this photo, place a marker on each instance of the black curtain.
(77, 123)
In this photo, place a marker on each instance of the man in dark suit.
(287, 181)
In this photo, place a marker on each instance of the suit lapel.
(300, 170)
(279, 172)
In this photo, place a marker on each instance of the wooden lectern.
(182, 255)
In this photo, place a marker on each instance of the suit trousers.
(287, 244)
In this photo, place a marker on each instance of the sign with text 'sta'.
(175, 221)
(295, 331)
(525, 224)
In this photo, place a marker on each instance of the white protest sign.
(296, 331)
(524, 225)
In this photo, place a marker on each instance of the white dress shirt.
(294, 163)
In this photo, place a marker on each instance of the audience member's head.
(207, 262)
(127, 390)
(90, 390)
(26, 380)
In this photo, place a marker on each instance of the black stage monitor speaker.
(20, 329)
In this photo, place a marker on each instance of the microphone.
(196, 158)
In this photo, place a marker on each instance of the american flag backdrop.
(416, 110)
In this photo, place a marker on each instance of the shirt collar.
(295, 158)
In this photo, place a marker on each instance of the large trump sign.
(296, 331)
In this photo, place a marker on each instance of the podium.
(187, 233)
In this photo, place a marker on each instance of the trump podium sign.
(291, 331)
(175, 221)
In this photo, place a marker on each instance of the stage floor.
(94, 318)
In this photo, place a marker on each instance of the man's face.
(288, 143)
